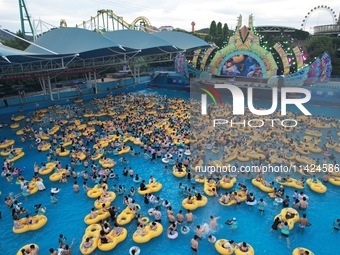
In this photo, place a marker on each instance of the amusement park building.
(75, 48)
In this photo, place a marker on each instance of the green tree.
(213, 29)
(16, 43)
(317, 45)
(225, 30)
(219, 29)
(207, 38)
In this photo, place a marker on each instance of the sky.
(176, 13)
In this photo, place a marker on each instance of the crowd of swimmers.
(155, 143)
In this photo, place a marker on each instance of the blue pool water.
(67, 216)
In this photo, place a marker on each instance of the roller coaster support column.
(50, 87)
(24, 16)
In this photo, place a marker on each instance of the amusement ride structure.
(104, 21)
(107, 20)
(322, 8)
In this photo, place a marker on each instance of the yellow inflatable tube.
(291, 182)
(291, 221)
(15, 125)
(49, 168)
(261, 186)
(109, 164)
(228, 185)
(150, 234)
(114, 240)
(316, 186)
(91, 231)
(79, 155)
(57, 175)
(95, 192)
(18, 118)
(54, 130)
(126, 216)
(196, 203)
(45, 147)
(314, 149)
(39, 222)
(44, 137)
(101, 215)
(20, 132)
(243, 159)
(249, 252)
(103, 144)
(63, 154)
(126, 150)
(220, 249)
(334, 180)
(6, 153)
(27, 247)
(179, 174)
(208, 188)
(109, 200)
(232, 201)
(256, 155)
(33, 187)
(67, 143)
(98, 156)
(296, 251)
(151, 188)
(20, 155)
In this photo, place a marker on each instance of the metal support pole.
(134, 74)
(95, 81)
(50, 87)
(138, 74)
(43, 85)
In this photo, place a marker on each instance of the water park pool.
(67, 216)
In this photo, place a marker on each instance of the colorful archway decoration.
(195, 58)
(244, 43)
(206, 56)
(299, 57)
(283, 57)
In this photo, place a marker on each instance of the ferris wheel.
(315, 10)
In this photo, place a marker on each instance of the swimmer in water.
(211, 239)
(194, 244)
(213, 221)
(336, 224)
(54, 199)
(261, 206)
(76, 187)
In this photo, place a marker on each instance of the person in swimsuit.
(103, 237)
(180, 217)
(304, 222)
(276, 223)
(194, 243)
(230, 245)
(88, 243)
(244, 247)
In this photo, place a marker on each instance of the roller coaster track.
(107, 20)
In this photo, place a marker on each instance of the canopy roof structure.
(65, 49)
